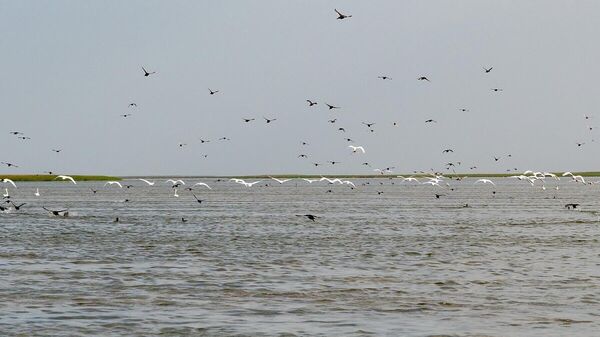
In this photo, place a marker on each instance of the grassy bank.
(49, 177)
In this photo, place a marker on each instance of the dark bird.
(24, 138)
(430, 121)
(125, 115)
(19, 206)
(310, 217)
(332, 106)
(496, 158)
(332, 120)
(224, 138)
(183, 220)
(269, 120)
(247, 120)
(342, 16)
(342, 129)
(571, 206)
(212, 92)
(463, 109)
(497, 89)
(56, 150)
(368, 124)
(311, 103)
(488, 70)
(202, 141)
(423, 78)
(197, 200)
(20, 133)
(349, 140)
(334, 162)
(304, 143)
(379, 192)
(317, 164)
(93, 190)
(437, 196)
(56, 213)
(447, 150)
(132, 105)
(580, 144)
(384, 77)
(8, 164)
(302, 156)
(116, 219)
(146, 73)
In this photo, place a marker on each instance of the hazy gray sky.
(70, 68)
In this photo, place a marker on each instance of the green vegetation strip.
(49, 177)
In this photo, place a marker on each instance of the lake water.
(399, 263)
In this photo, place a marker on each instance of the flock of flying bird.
(431, 177)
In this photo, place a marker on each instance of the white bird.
(567, 174)
(281, 181)
(175, 182)
(348, 182)
(6, 194)
(114, 183)
(175, 194)
(411, 179)
(356, 148)
(151, 183)
(66, 178)
(37, 192)
(310, 181)
(203, 184)
(485, 181)
(6, 180)
(432, 183)
(252, 184)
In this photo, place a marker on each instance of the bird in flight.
(384, 77)
(125, 115)
(369, 125)
(150, 183)
(447, 151)
(488, 70)
(463, 109)
(146, 73)
(269, 120)
(9, 164)
(497, 89)
(132, 105)
(248, 120)
(56, 150)
(212, 92)
(20, 133)
(197, 200)
(356, 148)
(580, 144)
(311, 103)
(6, 180)
(423, 78)
(430, 121)
(310, 217)
(332, 106)
(485, 181)
(342, 16)
(66, 178)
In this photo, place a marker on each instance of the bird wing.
(340, 14)
(203, 184)
(9, 181)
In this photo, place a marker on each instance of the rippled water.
(399, 263)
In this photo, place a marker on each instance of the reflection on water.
(399, 263)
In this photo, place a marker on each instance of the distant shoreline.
(52, 177)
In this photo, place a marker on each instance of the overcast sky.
(70, 69)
